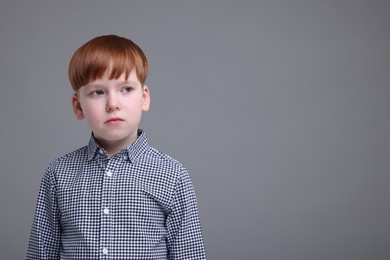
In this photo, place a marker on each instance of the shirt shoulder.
(163, 177)
(65, 166)
(71, 159)
(159, 160)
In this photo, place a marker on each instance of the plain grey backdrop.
(279, 109)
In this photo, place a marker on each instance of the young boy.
(117, 197)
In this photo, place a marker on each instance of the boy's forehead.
(107, 77)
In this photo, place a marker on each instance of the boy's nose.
(112, 104)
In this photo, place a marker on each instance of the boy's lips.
(114, 120)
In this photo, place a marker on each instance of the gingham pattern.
(138, 204)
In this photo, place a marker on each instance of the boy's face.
(112, 109)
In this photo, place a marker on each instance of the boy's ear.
(146, 98)
(77, 110)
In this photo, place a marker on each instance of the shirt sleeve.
(184, 230)
(45, 239)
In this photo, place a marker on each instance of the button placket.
(105, 228)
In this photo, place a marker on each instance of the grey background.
(280, 110)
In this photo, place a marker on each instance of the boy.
(117, 197)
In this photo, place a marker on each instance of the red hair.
(108, 52)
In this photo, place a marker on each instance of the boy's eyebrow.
(128, 82)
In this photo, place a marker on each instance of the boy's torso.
(106, 203)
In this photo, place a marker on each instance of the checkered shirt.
(137, 204)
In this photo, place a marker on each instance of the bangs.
(106, 54)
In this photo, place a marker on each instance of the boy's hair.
(103, 53)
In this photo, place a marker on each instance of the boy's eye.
(127, 89)
(97, 92)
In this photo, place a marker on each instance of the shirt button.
(101, 151)
(105, 251)
(109, 173)
(106, 211)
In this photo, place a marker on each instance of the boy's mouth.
(114, 120)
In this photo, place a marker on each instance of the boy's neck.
(115, 146)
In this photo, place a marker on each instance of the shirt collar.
(133, 151)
